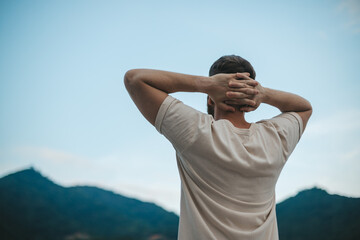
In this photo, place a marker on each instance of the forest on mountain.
(33, 207)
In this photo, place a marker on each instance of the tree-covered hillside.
(33, 207)
(315, 215)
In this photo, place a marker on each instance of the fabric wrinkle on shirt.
(228, 175)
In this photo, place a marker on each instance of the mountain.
(33, 207)
(314, 214)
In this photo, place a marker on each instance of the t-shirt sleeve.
(290, 128)
(179, 123)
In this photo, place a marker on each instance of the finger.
(226, 107)
(247, 109)
(243, 101)
(249, 102)
(240, 96)
(243, 83)
(232, 102)
(237, 84)
(237, 95)
(244, 75)
(235, 103)
(251, 82)
(247, 90)
(250, 91)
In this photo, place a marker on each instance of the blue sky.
(65, 111)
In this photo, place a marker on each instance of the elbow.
(130, 78)
(133, 79)
(310, 109)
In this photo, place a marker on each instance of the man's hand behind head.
(238, 88)
(245, 93)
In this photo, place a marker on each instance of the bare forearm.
(167, 82)
(148, 88)
(285, 101)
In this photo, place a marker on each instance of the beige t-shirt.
(228, 174)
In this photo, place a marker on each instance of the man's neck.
(236, 118)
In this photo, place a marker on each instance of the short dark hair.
(230, 64)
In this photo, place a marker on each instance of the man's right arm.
(284, 101)
(288, 102)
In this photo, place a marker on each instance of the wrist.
(203, 84)
(265, 95)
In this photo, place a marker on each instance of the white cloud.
(165, 196)
(352, 9)
(142, 174)
(45, 153)
(328, 156)
(353, 155)
(323, 35)
(340, 122)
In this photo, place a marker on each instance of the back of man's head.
(230, 64)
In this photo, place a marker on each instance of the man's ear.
(210, 101)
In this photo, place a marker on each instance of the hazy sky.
(65, 111)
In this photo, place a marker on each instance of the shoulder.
(287, 127)
(174, 110)
(180, 123)
(284, 120)
(289, 120)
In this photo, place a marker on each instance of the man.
(228, 167)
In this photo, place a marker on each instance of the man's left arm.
(149, 88)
